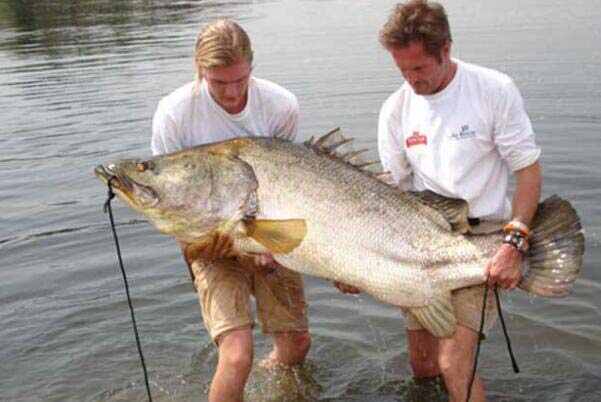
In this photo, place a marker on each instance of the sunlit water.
(80, 81)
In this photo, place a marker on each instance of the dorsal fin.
(336, 146)
(453, 210)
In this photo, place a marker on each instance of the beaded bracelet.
(517, 240)
(517, 226)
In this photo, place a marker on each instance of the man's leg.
(423, 353)
(224, 290)
(282, 312)
(289, 348)
(456, 360)
(233, 367)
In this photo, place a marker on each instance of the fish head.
(188, 194)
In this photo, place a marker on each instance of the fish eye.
(144, 166)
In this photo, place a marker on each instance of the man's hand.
(348, 289)
(504, 268)
(260, 263)
(219, 247)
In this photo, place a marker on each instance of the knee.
(238, 360)
(446, 362)
(302, 343)
(455, 361)
(236, 353)
(292, 347)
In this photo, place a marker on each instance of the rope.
(514, 363)
(107, 208)
(516, 369)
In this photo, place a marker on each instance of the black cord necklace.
(107, 208)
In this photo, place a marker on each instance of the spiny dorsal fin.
(331, 137)
(334, 145)
(326, 142)
(454, 210)
(350, 155)
(338, 144)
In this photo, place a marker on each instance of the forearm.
(527, 193)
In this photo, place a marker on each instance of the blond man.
(227, 101)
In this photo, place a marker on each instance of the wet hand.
(219, 247)
(348, 289)
(504, 268)
(259, 263)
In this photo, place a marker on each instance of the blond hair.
(221, 44)
(417, 21)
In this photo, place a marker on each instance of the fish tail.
(556, 249)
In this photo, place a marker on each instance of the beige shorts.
(224, 288)
(467, 303)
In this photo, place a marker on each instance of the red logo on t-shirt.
(416, 139)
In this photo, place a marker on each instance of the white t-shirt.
(461, 142)
(189, 116)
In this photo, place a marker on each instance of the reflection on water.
(62, 28)
(80, 81)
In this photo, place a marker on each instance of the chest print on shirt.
(416, 138)
(464, 133)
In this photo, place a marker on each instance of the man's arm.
(504, 266)
(527, 193)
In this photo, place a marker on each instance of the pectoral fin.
(437, 317)
(278, 236)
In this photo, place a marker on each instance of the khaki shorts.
(224, 288)
(467, 303)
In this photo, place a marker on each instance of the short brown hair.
(417, 21)
(221, 44)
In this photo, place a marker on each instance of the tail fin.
(556, 249)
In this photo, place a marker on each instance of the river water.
(79, 83)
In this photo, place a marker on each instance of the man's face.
(423, 72)
(229, 85)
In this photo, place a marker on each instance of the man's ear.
(446, 50)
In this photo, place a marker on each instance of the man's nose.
(232, 90)
(410, 76)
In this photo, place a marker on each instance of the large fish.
(318, 212)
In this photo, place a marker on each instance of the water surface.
(79, 83)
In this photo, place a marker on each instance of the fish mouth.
(136, 194)
(110, 177)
